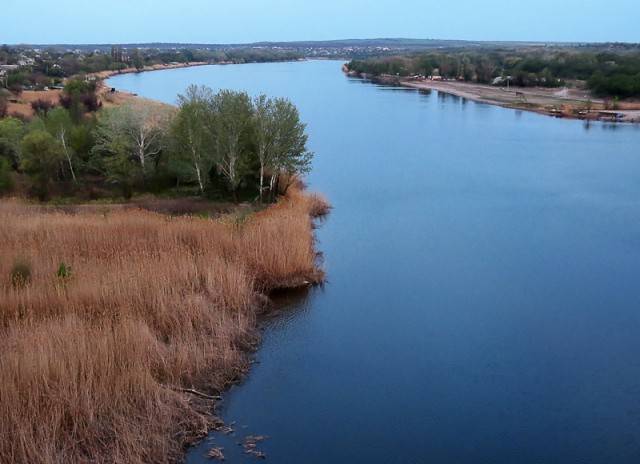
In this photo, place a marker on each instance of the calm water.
(483, 302)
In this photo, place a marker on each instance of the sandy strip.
(563, 102)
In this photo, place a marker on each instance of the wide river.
(483, 303)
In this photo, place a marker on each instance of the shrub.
(21, 271)
(6, 178)
(64, 270)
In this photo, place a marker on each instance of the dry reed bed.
(93, 364)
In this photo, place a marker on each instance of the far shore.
(155, 67)
(558, 102)
(569, 103)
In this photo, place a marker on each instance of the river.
(483, 302)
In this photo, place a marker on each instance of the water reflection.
(289, 304)
(444, 97)
(611, 126)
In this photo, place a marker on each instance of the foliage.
(240, 139)
(6, 179)
(41, 106)
(139, 128)
(221, 143)
(230, 125)
(40, 161)
(4, 105)
(192, 138)
(280, 141)
(79, 97)
(11, 132)
(63, 271)
(609, 73)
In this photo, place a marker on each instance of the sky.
(246, 21)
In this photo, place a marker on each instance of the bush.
(21, 271)
(6, 178)
(64, 270)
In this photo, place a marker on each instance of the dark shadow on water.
(289, 302)
(611, 126)
(444, 97)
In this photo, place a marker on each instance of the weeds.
(63, 271)
(21, 271)
(93, 372)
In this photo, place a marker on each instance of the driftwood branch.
(196, 393)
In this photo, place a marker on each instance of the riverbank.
(568, 103)
(156, 67)
(120, 327)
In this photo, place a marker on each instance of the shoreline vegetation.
(121, 323)
(564, 103)
(588, 81)
(21, 106)
(121, 326)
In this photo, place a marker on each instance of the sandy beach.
(566, 102)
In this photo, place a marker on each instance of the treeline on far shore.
(223, 145)
(607, 73)
(27, 68)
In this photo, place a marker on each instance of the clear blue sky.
(215, 21)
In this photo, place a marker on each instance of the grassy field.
(99, 353)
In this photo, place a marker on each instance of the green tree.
(231, 126)
(191, 134)
(138, 62)
(59, 124)
(280, 141)
(121, 168)
(41, 157)
(79, 97)
(142, 125)
(6, 178)
(11, 132)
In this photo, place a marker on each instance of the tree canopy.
(223, 144)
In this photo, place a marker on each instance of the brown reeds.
(96, 363)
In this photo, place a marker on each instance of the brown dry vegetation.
(94, 365)
(22, 107)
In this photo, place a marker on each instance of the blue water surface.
(483, 303)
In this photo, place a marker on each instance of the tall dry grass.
(95, 365)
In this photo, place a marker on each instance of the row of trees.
(608, 73)
(50, 66)
(224, 141)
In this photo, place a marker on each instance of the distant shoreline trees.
(606, 73)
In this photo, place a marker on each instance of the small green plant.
(64, 271)
(202, 215)
(21, 272)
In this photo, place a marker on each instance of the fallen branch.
(196, 393)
